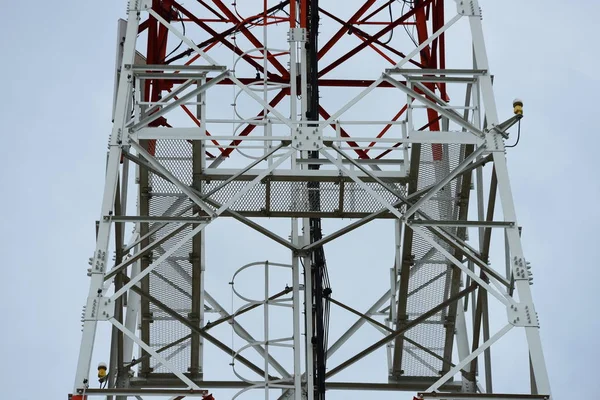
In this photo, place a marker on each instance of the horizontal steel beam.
(481, 396)
(466, 224)
(146, 392)
(166, 67)
(429, 71)
(132, 218)
(146, 385)
(439, 137)
(213, 174)
(400, 332)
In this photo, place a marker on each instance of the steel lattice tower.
(299, 114)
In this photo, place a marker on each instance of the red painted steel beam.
(381, 53)
(292, 13)
(385, 152)
(221, 38)
(429, 58)
(229, 14)
(338, 35)
(438, 23)
(144, 25)
(361, 153)
(359, 32)
(379, 34)
(377, 11)
(347, 83)
(155, 54)
(388, 126)
(212, 10)
(248, 129)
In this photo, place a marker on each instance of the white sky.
(58, 66)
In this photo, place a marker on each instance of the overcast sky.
(58, 67)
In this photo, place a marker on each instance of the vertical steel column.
(145, 261)
(296, 271)
(506, 197)
(197, 256)
(116, 350)
(296, 267)
(101, 256)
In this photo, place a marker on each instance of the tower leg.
(514, 240)
(101, 256)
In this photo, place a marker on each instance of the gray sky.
(59, 60)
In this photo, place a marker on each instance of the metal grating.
(170, 282)
(428, 286)
(294, 196)
(429, 278)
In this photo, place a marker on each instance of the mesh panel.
(294, 196)
(430, 277)
(170, 282)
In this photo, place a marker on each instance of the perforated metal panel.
(170, 282)
(294, 197)
(429, 283)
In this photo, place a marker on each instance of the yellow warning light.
(518, 106)
(101, 371)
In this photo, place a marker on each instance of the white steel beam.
(469, 358)
(100, 258)
(452, 137)
(180, 35)
(433, 105)
(426, 42)
(181, 186)
(443, 182)
(522, 285)
(155, 354)
(182, 100)
(503, 298)
(158, 261)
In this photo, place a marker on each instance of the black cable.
(518, 136)
(410, 35)
(186, 53)
(391, 21)
(180, 43)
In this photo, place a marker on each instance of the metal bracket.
(493, 140)
(522, 315)
(297, 35)
(468, 7)
(307, 138)
(137, 5)
(521, 269)
(98, 263)
(504, 126)
(105, 309)
(494, 134)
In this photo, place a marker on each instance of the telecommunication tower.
(299, 122)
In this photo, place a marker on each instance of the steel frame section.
(307, 158)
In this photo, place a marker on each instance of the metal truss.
(281, 164)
